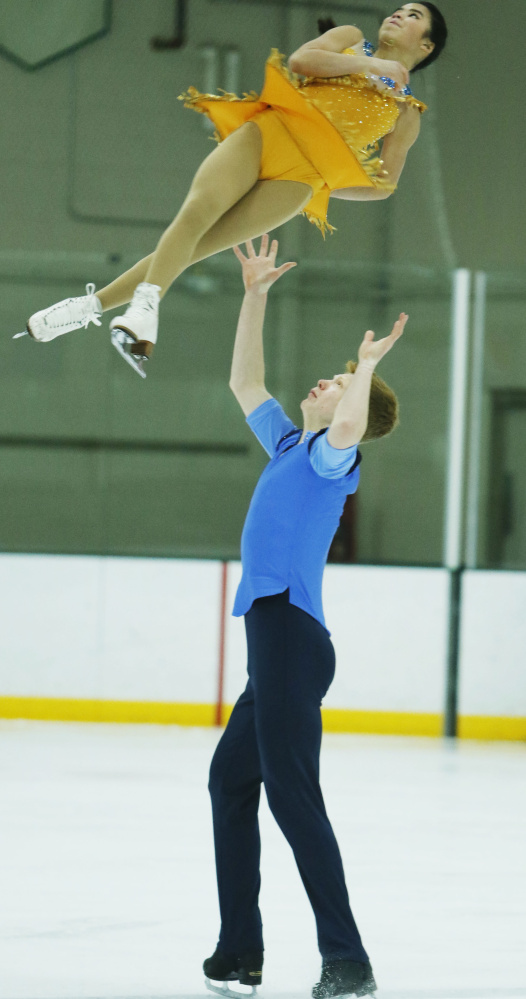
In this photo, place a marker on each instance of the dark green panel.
(176, 505)
(135, 502)
(51, 500)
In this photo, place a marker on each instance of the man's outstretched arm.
(350, 418)
(247, 375)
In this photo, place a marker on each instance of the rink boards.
(152, 640)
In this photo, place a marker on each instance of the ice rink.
(107, 871)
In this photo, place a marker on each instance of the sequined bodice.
(362, 108)
(362, 115)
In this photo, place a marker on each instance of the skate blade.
(224, 990)
(27, 332)
(123, 342)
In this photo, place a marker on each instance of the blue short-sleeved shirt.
(294, 512)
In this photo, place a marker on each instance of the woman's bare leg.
(267, 205)
(223, 178)
(120, 291)
(226, 205)
(220, 182)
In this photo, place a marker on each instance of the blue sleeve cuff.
(331, 462)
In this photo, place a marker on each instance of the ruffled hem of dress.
(320, 223)
(193, 98)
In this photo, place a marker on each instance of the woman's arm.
(395, 148)
(324, 57)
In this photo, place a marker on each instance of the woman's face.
(408, 28)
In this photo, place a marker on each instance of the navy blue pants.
(274, 736)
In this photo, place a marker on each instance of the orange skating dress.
(323, 132)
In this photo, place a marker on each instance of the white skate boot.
(134, 334)
(63, 317)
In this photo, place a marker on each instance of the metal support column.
(453, 527)
(475, 420)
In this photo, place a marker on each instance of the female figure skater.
(304, 138)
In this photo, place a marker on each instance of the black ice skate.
(220, 969)
(343, 979)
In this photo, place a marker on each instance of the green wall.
(96, 156)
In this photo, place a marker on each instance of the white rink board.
(110, 628)
(236, 644)
(50, 634)
(165, 648)
(148, 630)
(493, 644)
(389, 629)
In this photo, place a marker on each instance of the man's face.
(408, 28)
(325, 396)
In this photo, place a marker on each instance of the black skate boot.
(224, 968)
(343, 979)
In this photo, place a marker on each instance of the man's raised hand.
(259, 270)
(371, 351)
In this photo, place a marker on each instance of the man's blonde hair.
(384, 409)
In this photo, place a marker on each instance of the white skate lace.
(94, 316)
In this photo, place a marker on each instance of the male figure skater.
(274, 733)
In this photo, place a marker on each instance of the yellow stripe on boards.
(125, 712)
(381, 722)
(372, 722)
(334, 719)
(479, 727)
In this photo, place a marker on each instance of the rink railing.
(72, 649)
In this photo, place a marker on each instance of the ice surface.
(107, 884)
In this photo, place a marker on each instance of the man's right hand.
(259, 270)
(371, 351)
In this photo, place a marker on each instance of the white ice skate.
(134, 334)
(63, 317)
(241, 992)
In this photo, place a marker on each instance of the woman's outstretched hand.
(259, 270)
(371, 351)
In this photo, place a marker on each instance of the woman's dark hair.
(437, 32)
(325, 24)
